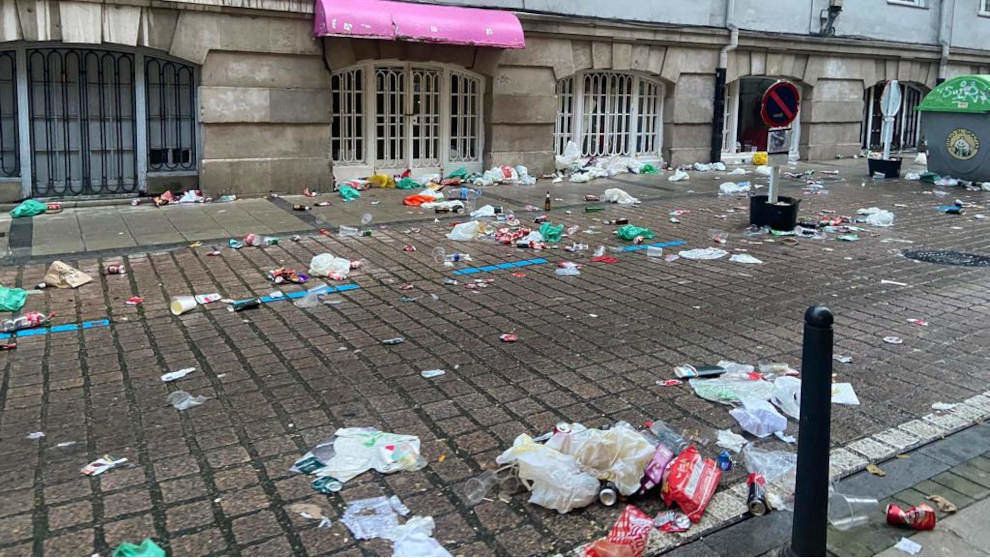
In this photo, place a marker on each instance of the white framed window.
(907, 121)
(391, 116)
(984, 8)
(610, 113)
(913, 3)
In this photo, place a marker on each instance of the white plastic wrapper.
(678, 176)
(326, 265)
(759, 417)
(787, 395)
(556, 480)
(466, 231)
(619, 454)
(619, 196)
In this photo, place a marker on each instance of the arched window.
(610, 113)
(390, 116)
(907, 129)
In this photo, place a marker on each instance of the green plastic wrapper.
(28, 208)
(648, 169)
(146, 548)
(349, 193)
(551, 233)
(629, 232)
(12, 299)
(407, 184)
(459, 172)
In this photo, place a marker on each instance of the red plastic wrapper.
(920, 517)
(627, 538)
(690, 481)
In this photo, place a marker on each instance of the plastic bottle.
(546, 202)
(666, 436)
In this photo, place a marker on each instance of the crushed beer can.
(672, 522)
(920, 517)
(509, 337)
(756, 497)
(115, 269)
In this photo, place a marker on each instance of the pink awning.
(404, 21)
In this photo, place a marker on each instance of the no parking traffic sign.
(780, 104)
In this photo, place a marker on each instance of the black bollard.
(808, 531)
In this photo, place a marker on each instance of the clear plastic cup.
(475, 489)
(654, 251)
(366, 219)
(439, 255)
(846, 512)
(347, 231)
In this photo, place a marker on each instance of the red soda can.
(53, 207)
(115, 269)
(920, 517)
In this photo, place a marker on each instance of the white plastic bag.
(758, 417)
(703, 254)
(483, 211)
(355, 450)
(678, 176)
(732, 189)
(744, 259)
(373, 518)
(764, 170)
(882, 218)
(415, 538)
(556, 480)
(450, 205)
(787, 395)
(738, 171)
(579, 177)
(703, 167)
(730, 440)
(524, 177)
(619, 454)
(718, 166)
(327, 265)
(619, 196)
(921, 159)
(466, 231)
(571, 154)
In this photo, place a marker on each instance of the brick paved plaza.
(214, 479)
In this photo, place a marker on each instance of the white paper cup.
(182, 304)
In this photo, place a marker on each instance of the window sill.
(907, 4)
(983, 14)
(157, 174)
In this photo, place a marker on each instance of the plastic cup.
(439, 254)
(366, 219)
(182, 304)
(654, 251)
(846, 512)
(475, 489)
(347, 231)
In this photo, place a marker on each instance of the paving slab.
(971, 525)
(938, 543)
(56, 234)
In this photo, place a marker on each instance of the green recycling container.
(955, 122)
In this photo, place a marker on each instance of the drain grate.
(948, 257)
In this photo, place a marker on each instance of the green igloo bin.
(955, 122)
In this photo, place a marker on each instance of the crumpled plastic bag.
(327, 265)
(63, 276)
(760, 158)
(355, 450)
(702, 253)
(762, 169)
(374, 518)
(449, 205)
(524, 177)
(730, 388)
(147, 549)
(787, 395)
(619, 196)
(648, 169)
(732, 189)
(28, 208)
(628, 537)
(416, 200)
(550, 232)
(191, 196)
(759, 417)
(556, 480)
(415, 538)
(779, 468)
(569, 158)
(484, 211)
(619, 454)
(877, 217)
(730, 440)
(381, 180)
(406, 183)
(467, 231)
(579, 177)
(678, 176)
(12, 299)
(629, 232)
(349, 193)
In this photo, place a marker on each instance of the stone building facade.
(129, 96)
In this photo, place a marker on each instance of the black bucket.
(780, 217)
(891, 168)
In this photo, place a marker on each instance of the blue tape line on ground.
(655, 245)
(506, 265)
(56, 329)
(300, 294)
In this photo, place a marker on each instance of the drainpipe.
(943, 63)
(946, 14)
(718, 122)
